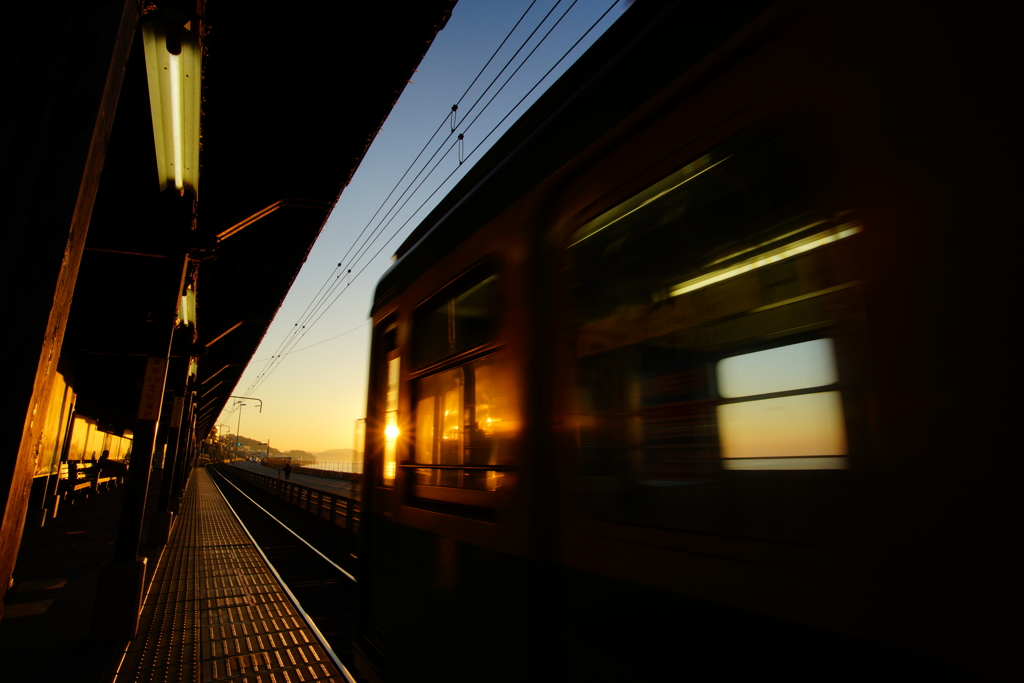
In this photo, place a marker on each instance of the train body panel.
(692, 386)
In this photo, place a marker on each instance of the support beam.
(54, 143)
(116, 587)
(161, 522)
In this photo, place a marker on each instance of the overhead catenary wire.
(328, 295)
(322, 341)
(399, 203)
(541, 79)
(491, 132)
(296, 339)
(260, 379)
(448, 118)
(368, 244)
(299, 328)
(333, 278)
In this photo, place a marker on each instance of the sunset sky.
(314, 395)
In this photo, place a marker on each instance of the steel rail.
(284, 586)
(288, 529)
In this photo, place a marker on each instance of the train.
(698, 370)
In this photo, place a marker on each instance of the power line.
(297, 331)
(317, 306)
(399, 203)
(299, 328)
(259, 380)
(496, 126)
(367, 245)
(304, 348)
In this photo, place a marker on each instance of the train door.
(379, 457)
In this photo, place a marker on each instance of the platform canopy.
(291, 98)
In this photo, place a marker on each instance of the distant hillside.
(339, 455)
(258, 447)
(299, 455)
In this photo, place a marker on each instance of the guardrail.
(339, 510)
(353, 471)
(333, 474)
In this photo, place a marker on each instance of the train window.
(709, 312)
(779, 413)
(460, 318)
(389, 366)
(465, 420)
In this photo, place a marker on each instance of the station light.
(187, 307)
(174, 70)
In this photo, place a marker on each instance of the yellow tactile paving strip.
(215, 612)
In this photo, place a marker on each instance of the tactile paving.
(215, 612)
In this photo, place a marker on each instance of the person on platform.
(287, 470)
(105, 467)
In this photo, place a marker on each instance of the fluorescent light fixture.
(768, 258)
(651, 194)
(175, 91)
(187, 307)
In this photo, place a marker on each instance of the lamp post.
(240, 404)
(238, 430)
(223, 434)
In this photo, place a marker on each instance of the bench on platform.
(80, 481)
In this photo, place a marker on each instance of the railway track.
(311, 562)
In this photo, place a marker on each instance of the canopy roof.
(291, 101)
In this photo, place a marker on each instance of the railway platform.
(214, 610)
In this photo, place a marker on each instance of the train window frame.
(478, 274)
(387, 373)
(600, 331)
(784, 465)
(501, 469)
(421, 373)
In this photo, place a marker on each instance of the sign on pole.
(153, 388)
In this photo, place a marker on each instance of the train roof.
(650, 45)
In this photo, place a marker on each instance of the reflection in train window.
(781, 416)
(708, 316)
(391, 419)
(458, 319)
(387, 382)
(465, 420)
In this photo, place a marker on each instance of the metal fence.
(334, 470)
(339, 510)
(349, 467)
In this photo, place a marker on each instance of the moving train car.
(696, 372)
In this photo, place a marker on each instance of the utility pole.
(238, 430)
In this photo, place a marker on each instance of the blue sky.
(313, 395)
